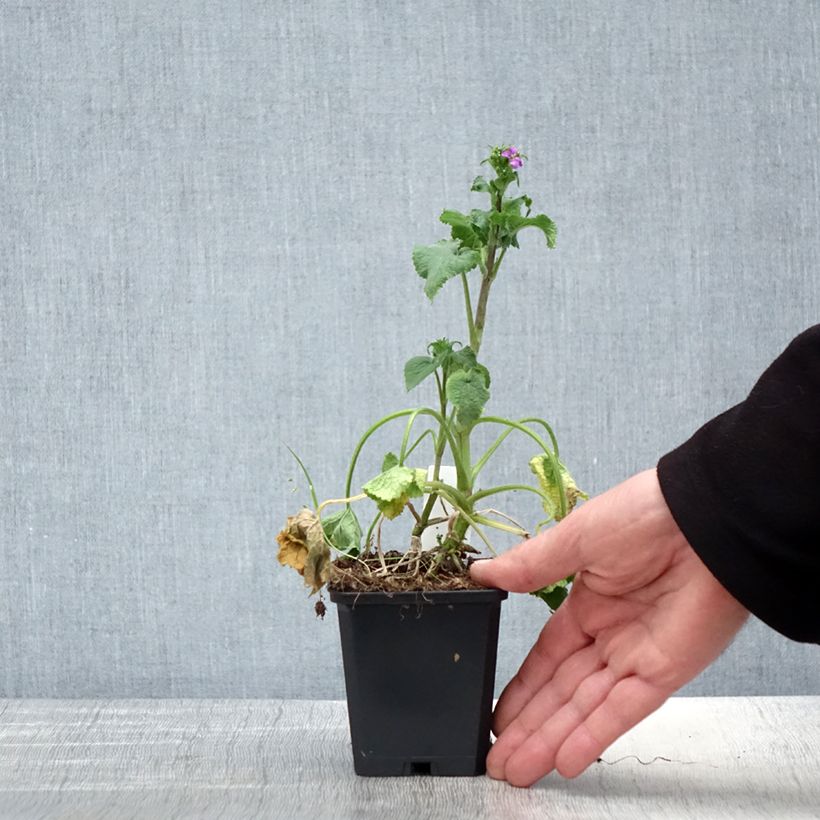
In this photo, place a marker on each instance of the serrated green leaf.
(480, 220)
(393, 488)
(390, 460)
(467, 391)
(485, 373)
(418, 369)
(342, 530)
(464, 359)
(544, 224)
(514, 205)
(438, 263)
(511, 223)
(440, 349)
(481, 185)
(543, 468)
(461, 228)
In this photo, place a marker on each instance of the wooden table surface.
(695, 757)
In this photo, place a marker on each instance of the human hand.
(644, 617)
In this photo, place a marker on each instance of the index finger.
(548, 557)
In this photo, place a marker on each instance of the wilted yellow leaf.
(302, 546)
(543, 468)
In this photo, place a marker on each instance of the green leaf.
(485, 374)
(342, 530)
(555, 594)
(514, 205)
(438, 263)
(418, 369)
(464, 359)
(461, 228)
(481, 185)
(390, 460)
(544, 224)
(511, 223)
(445, 354)
(543, 468)
(480, 221)
(440, 349)
(393, 488)
(467, 392)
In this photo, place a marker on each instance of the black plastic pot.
(419, 671)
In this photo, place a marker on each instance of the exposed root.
(414, 570)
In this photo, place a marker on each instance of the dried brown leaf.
(302, 546)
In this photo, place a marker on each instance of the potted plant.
(418, 635)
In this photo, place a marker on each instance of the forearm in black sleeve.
(745, 491)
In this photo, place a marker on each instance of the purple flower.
(512, 156)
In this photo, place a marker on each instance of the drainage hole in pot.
(420, 767)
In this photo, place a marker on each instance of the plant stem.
(505, 488)
(556, 469)
(465, 479)
(455, 497)
(479, 465)
(489, 273)
(481, 308)
(497, 525)
(469, 307)
(347, 501)
(441, 443)
(369, 536)
(406, 437)
(419, 441)
(424, 411)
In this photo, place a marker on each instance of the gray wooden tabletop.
(695, 757)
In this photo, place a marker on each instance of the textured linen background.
(207, 212)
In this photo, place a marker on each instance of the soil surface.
(403, 572)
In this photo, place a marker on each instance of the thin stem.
(506, 488)
(536, 420)
(419, 441)
(439, 452)
(425, 411)
(379, 544)
(479, 465)
(369, 536)
(556, 470)
(472, 523)
(330, 501)
(497, 525)
(500, 259)
(491, 511)
(406, 437)
(451, 494)
(313, 495)
(413, 511)
(469, 307)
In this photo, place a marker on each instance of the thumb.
(548, 557)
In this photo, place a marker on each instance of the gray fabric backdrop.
(206, 214)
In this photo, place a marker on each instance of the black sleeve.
(745, 491)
